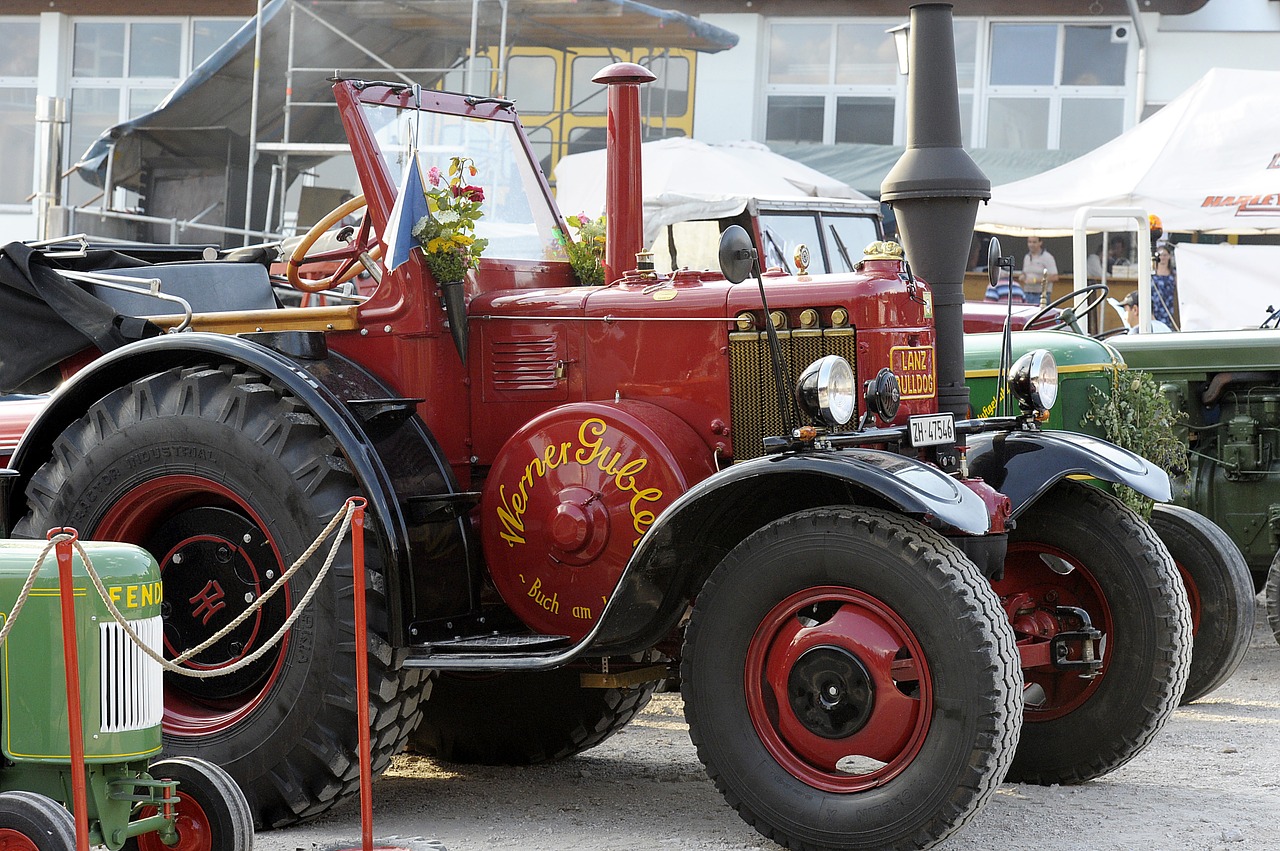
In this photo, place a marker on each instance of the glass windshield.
(517, 221)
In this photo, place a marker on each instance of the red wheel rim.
(194, 831)
(1028, 574)
(1193, 597)
(13, 840)
(137, 517)
(838, 689)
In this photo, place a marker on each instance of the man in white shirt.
(1039, 271)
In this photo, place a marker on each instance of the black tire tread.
(1271, 596)
(46, 823)
(321, 768)
(1226, 622)
(521, 718)
(950, 573)
(1171, 661)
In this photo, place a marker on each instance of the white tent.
(1208, 161)
(684, 180)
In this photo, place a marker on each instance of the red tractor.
(575, 492)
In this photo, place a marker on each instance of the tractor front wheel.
(850, 683)
(31, 822)
(1077, 549)
(212, 812)
(1219, 590)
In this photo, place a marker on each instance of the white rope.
(26, 586)
(343, 517)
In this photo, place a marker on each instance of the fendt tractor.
(877, 606)
(122, 799)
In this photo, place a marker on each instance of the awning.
(206, 120)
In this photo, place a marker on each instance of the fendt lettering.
(766, 485)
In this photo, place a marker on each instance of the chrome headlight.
(825, 390)
(1034, 381)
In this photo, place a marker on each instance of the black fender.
(327, 384)
(1023, 465)
(690, 538)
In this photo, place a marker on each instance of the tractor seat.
(208, 286)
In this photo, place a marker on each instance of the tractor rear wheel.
(1219, 589)
(850, 682)
(521, 718)
(31, 822)
(226, 479)
(1079, 548)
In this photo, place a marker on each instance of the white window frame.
(26, 82)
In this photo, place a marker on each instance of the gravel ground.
(1211, 780)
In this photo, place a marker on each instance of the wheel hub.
(831, 692)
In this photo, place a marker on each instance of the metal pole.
(71, 659)
(362, 670)
(471, 60)
(253, 123)
(51, 115)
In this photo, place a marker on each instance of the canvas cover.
(49, 317)
(687, 180)
(1208, 161)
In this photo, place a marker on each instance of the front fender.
(693, 535)
(1023, 465)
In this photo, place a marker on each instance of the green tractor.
(182, 804)
(1224, 519)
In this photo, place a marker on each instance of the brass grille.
(753, 399)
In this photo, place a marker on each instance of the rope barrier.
(341, 521)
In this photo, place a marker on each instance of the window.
(123, 69)
(831, 82)
(18, 68)
(1059, 86)
(531, 83)
(1022, 84)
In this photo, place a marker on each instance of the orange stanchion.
(358, 505)
(71, 658)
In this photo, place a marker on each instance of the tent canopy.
(685, 180)
(1208, 161)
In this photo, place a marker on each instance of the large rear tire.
(521, 718)
(227, 479)
(1219, 590)
(850, 682)
(1079, 547)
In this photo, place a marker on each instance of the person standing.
(1039, 272)
(1164, 286)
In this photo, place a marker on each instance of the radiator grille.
(132, 695)
(753, 396)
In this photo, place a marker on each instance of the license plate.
(932, 429)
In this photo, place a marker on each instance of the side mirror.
(993, 261)
(737, 254)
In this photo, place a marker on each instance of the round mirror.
(993, 261)
(737, 254)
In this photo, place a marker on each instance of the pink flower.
(433, 175)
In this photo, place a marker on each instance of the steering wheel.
(1273, 318)
(349, 255)
(1094, 295)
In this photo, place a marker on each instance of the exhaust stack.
(623, 192)
(934, 190)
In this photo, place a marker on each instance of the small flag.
(410, 207)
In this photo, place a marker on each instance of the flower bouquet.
(586, 253)
(447, 232)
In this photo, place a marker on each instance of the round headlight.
(884, 395)
(825, 390)
(1034, 380)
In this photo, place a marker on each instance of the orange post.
(362, 671)
(71, 658)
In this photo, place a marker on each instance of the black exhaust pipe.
(934, 190)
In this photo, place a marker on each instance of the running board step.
(435, 653)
